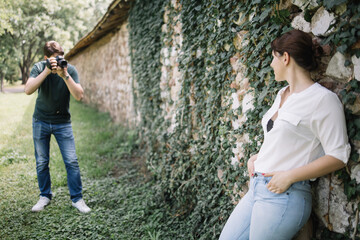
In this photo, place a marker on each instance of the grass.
(115, 182)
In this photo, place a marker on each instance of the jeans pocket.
(267, 196)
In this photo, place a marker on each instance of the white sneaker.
(81, 206)
(40, 205)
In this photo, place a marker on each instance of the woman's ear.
(286, 58)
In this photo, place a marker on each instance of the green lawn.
(115, 182)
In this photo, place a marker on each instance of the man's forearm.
(33, 84)
(75, 88)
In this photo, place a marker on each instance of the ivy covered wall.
(203, 83)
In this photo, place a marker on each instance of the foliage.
(187, 160)
(346, 35)
(6, 13)
(39, 21)
(145, 42)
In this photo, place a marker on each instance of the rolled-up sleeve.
(329, 126)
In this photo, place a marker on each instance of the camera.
(61, 62)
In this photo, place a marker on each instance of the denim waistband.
(261, 176)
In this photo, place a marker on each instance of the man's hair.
(52, 47)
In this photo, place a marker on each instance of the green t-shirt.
(52, 103)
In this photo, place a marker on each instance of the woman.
(304, 138)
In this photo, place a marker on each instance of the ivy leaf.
(307, 15)
(331, 3)
(265, 14)
(342, 49)
(357, 124)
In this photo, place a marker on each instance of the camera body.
(61, 62)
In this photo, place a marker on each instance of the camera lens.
(61, 62)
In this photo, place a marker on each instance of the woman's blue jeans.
(64, 136)
(264, 215)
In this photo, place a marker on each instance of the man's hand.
(53, 64)
(62, 72)
(280, 181)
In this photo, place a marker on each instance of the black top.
(269, 125)
(52, 103)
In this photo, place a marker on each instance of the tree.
(6, 13)
(8, 63)
(39, 21)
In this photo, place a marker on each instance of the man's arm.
(75, 88)
(33, 84)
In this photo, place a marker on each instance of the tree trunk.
(23, 74)
(2, 82)
(27, 61)
(25, 71)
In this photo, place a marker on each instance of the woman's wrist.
(253, 158)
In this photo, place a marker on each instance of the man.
(55, 80)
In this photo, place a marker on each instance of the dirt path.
(14, 89)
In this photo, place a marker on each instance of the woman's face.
(278, 66)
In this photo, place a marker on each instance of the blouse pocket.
(290, 118)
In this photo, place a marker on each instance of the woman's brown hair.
(52, 47)
(300, 47)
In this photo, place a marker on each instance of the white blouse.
(310, 124)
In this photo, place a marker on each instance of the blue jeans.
(64, 136)
(264, 215)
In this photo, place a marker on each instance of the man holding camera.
(55, 80)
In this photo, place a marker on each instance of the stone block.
(331, 205)
(242, 82)
(239, 41)
(236, 64)
(220, 174)
(235, 103)
(356, 62)
(355, 108)
(321, 21)
(337, 69)
(242, 19)
(285, 4)
(300, 23)
(305, 4)
(340, 9)
(248, 102)
(355, 173)
(356, 45)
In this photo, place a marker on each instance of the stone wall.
(330, 202)
(105, 74)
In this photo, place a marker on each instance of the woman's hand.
(280, 181)
(250, 165)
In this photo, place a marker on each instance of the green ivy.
(186, 161)
(145, 21)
